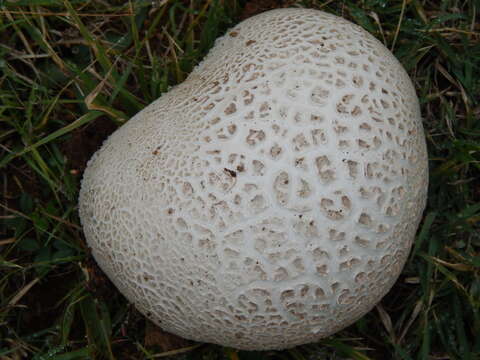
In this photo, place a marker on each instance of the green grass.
(72, 71)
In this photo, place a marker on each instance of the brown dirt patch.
(83, 142)
(164, 341)
(255, 7)
(42, 306)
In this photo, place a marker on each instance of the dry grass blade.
(375, 17)
(416, 311)
(63, 221)
(13, 211)
(445, 73)
(7, 241)
(22, 292)
(458, 266)
(176, 352)
(397, 30)
(90, 99)
(387, 323)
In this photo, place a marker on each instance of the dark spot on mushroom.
(230, 172)
(233, 34)
(250, 42)
(240, 168)
(156, 151)
(170, 211)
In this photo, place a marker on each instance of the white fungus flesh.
(272, 198)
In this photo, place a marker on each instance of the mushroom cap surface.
(272, 198)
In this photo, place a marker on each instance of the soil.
(98, 284)
(85, 141)
(19, 178)
(42, 303)
(164, 341)
(255, 7)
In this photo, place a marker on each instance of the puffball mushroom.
(272, 198)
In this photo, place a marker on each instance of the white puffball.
(272, 198)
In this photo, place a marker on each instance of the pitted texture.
(272, 198)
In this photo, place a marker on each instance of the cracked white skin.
(272, 198)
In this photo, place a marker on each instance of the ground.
(73, 71)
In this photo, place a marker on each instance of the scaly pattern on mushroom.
(272, 198)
